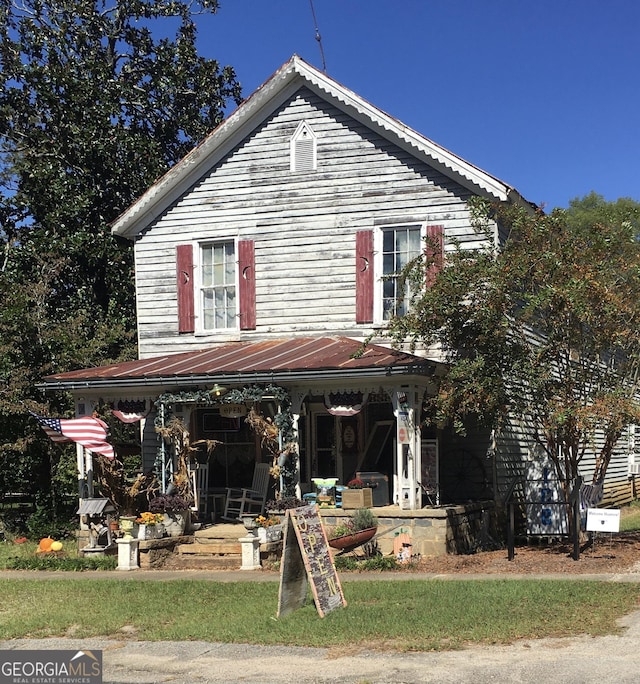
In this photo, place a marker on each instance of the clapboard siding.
(303, 224)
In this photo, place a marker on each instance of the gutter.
(426, 369)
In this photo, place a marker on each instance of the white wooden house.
(260, 262)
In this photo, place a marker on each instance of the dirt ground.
(616, 553)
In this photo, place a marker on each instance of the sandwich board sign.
(306, 560)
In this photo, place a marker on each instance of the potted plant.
(283, 504)
(150, 525)
(174, 509)
(269, 528)
(359, 529)
(357, 495)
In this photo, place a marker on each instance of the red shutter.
(364, 276)
(247, 273)
(184, 268)
(434, 253)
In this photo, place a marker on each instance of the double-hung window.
(218, 285)
(400, 245)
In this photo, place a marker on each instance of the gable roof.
(293, 359)
(266, 99)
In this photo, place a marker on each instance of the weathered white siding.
(303, 225)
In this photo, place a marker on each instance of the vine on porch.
(277, 435)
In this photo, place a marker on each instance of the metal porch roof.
(271, 360)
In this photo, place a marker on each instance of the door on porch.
(341, 446)
(233, 460)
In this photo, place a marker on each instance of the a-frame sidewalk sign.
(306, 560)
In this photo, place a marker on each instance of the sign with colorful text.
(306, 559)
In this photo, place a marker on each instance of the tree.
(544, 326)
(94, 106)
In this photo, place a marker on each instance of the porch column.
(297, 397)
(408, 452)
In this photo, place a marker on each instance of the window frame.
(379, 280)
(200, 287)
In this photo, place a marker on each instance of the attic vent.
(303, 149)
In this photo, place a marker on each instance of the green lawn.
(409, 615)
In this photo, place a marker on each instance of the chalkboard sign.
(306, 558)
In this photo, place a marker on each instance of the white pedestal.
(127, 554)
(250, 552)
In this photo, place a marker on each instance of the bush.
(168, 502)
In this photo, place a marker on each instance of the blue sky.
(543, 94)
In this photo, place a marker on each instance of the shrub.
(168, 502)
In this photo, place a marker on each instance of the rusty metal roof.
(270, 360)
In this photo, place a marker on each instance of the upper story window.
(303, 149)
(400, 244)
(218, 299)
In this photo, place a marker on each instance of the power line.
(318, 37)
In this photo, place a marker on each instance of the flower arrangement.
(167, 503)
(149, 518)
(262, 521)
(356, 483)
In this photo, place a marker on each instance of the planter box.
(272, 533)
(357, 498)
(151, 531)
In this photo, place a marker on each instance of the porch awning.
(273, 361)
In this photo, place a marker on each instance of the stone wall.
(459, 529)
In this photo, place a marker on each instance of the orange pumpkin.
(45, 544)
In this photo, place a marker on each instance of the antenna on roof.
(318, 36)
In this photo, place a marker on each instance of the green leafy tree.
(95, 105)
(544, 326)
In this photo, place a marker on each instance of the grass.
(24, 557)
(630, 517)
(404, 616)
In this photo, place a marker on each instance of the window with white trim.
(398, 245)
(218, 286)
(303, 149)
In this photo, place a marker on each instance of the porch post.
(297, 397)
(408, 453)
(83, 491)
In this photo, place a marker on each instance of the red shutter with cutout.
(184, 268)
(364, 276)
(434, 252)
(247, 282)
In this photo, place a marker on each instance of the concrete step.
(227, 531)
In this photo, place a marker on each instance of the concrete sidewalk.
(271, 576)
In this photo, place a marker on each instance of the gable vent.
(303, 149)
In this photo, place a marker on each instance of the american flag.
(88, 431)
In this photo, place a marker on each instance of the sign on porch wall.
(306, 559)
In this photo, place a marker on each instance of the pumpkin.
(56, 546)
(45, 544)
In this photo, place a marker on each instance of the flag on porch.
(89, 431)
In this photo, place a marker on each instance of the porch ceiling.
(280, 360)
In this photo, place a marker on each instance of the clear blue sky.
(543, 94)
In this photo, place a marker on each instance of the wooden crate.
(357, 498)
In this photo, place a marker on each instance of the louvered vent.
(303, 149)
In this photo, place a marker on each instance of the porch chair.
(249, 501)
(200, 486)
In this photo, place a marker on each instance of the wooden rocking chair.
(249, 501)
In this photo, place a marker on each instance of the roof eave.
(425, 369)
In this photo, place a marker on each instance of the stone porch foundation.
(437, 531)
